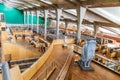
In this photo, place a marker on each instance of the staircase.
(24, 64)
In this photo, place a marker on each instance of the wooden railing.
(64, 70)
(108, 63)
(27, 75)
(30, 72)
(45, 74)
(102, 60)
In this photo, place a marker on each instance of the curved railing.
(102, 60)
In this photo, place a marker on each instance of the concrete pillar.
(25, 19)
(80, 15)
(28, 13)
(37, 19)
(58, 15)
(95, 29)
(66, 25)
(50, 21)
(32, 20)
(45, 23)
(5, 71)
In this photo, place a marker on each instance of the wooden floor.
(26, 44)
(100, 73)
(59, 55)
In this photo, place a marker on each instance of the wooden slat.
(15, 73)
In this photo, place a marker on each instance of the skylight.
(109, 13)
(116, 29)
(46, 1)
(106, 31)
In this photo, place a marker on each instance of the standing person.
(64, 41)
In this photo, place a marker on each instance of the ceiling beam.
(107, 24)
(53, 5)
(102, 3)
(111, 30)
(71, 3)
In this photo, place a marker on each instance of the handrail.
(107, 59)
(29, 73)
(102, 57)
(65, 68)
(78, 47)
(47, 71)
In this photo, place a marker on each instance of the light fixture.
(46, 1)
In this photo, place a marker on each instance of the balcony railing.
(110, 64)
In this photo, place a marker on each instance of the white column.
(37, 17)
(58, 15)
(28, 19)
(49, 22)
(32, 20)
(80, 15)
(25, 18)
(45, 23)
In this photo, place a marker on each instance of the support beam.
(95, 29)
(32, 20)
(58, 15)
(66, 25)
(45, 23)
(80, 15)
(25, 18)
(28, 13)
(37, 20)
(5, 71)
(49, 20)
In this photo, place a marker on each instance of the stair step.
(24, 66)
(23, 61)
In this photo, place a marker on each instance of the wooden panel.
(58, 55)
(65, 68)
(27, 75)
(15, 73)
(17, 52)
(0, 76)
(4, 36)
